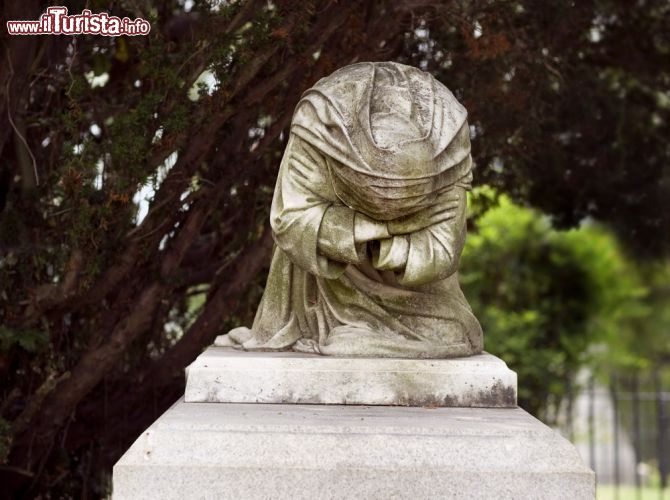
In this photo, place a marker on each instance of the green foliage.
(29, 340)
(647, 343)
(545, 297)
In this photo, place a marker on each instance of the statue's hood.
(395, 134)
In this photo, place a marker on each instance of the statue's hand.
(367, 229)
(391, 254)
(424, 218)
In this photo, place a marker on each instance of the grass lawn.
(609, 492)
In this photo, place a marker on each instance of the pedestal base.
(226, 375)
(259, 451)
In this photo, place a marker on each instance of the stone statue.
(369, 220)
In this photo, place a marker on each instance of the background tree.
(547, 298)
(105, 298)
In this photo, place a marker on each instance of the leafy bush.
(546, 298)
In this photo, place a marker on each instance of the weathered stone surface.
(369, 221)
(259, 451)
(227, 375)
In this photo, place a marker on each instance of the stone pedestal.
(252, 439)
(260, 451)
(226, 375)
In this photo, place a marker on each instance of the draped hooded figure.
(369, 221)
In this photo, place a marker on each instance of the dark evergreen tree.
(101, 309)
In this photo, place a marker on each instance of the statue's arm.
(316, 233)
(433, 252)
(337, 236)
